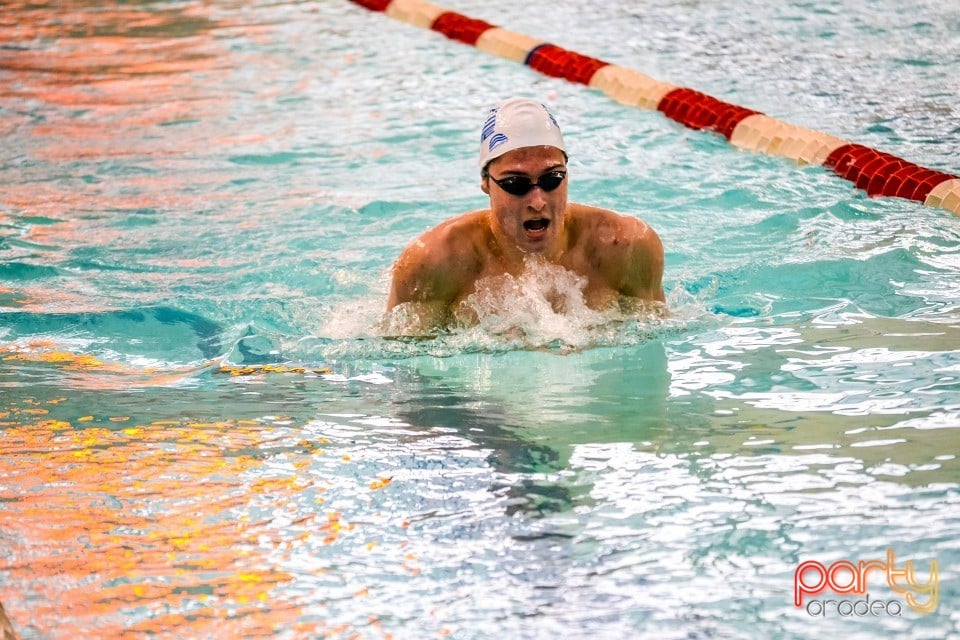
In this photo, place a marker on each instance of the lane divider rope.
(875, 172)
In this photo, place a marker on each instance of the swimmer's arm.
(421, 291)
(642, 265)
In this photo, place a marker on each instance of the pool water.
(204, 432)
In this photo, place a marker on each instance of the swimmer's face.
(533, 222)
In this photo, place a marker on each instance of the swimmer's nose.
(537, 198)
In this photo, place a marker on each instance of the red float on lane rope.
(700, 111)
(459, 27)
(373, 5)
(883, 174)
(554, 61)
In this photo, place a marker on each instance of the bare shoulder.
(434, 266)
(458, 230)
(611, 229)
(627, 250)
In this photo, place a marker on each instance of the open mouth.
(537, 224)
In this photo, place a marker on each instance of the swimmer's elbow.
(415, 319)
(407, 290)
(395, 296)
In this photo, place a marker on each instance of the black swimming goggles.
(522, 185)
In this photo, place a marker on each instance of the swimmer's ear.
(485, 182)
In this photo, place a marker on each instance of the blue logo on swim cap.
(489, 125)
(497, 140)
(552, 119)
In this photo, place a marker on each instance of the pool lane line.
(876, 172)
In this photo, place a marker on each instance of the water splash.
(542, 308)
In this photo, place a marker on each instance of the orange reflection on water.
(37, 299)
(109, 527)
(115, 110)
(115, 528)
(95, 90)
(87, 371)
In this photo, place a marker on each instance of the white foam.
(542, 308)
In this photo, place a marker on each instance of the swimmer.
(523, 169)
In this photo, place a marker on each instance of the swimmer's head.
(516, 123)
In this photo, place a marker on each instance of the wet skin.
(619, 257)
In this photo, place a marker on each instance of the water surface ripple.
(204, 434)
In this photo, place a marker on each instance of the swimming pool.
(188, 182)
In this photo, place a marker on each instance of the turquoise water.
(186, 184)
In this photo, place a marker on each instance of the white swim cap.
(516, 123)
